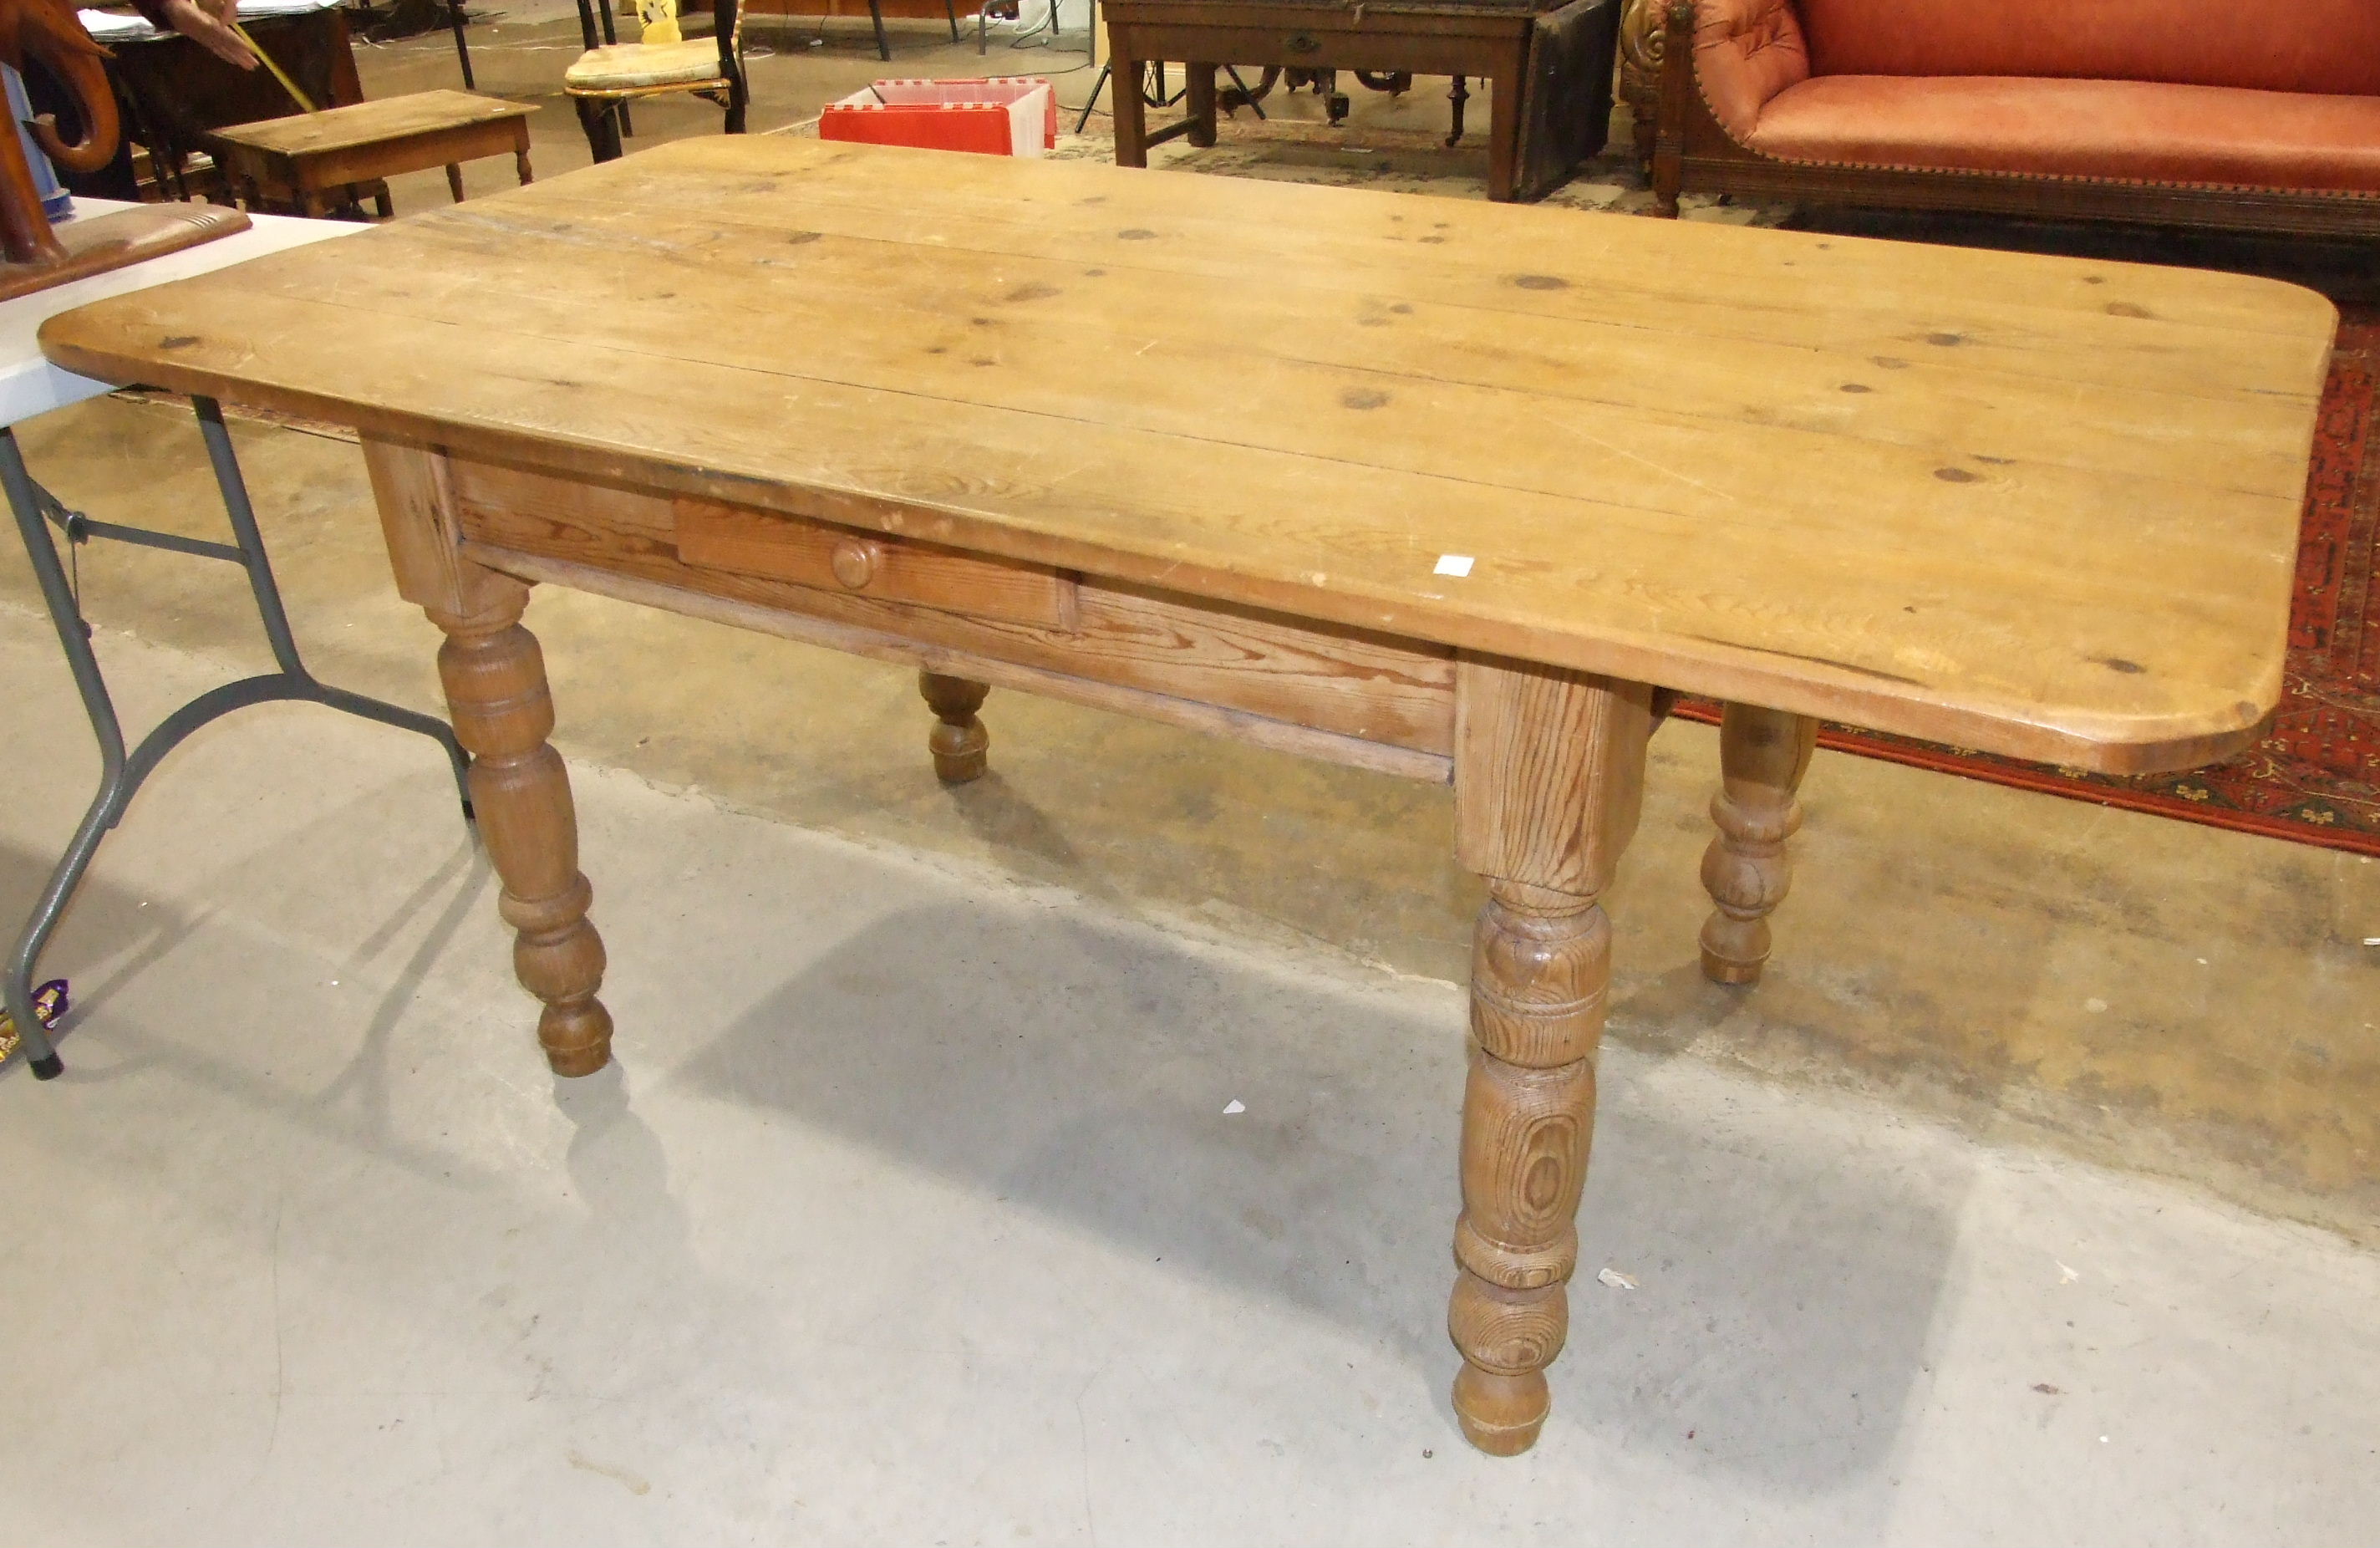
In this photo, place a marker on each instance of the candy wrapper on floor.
(49, 1003)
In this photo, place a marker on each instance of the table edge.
(2097, 741)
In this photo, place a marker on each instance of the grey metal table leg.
(75, 641)
(121, 772)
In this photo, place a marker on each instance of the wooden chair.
(611, 75)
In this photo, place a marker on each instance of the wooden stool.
(313, 161)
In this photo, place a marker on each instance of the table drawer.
(819, 553)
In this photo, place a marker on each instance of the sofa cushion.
(1746, 51)
(2278, 45)
(2125, 129)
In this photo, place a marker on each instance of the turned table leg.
(1548, 778)
(959, 743)
(496, 695)
(1762, 754)
(494, 676)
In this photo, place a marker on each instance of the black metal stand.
(37, 510)
(1107, 78)
(407, 19)
(462, 46)
(884, 48)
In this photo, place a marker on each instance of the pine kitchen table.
(1454, 490)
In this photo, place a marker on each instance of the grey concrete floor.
(912, 1213)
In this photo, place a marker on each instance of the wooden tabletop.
(2039, 507)
(372, 123)
(30, 385)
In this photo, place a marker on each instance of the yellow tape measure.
(278, 73)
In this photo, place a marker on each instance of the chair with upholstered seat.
(608, 76)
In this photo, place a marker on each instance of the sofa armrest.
(1744, 53)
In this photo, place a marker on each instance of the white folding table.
(30, 386)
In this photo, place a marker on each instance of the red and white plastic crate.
(1007, 115)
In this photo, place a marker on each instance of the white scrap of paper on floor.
(1234, 1105)
(1617, 1280)
(1456, 565)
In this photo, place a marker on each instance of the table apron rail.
(1420, 52)
(1448, 22)
(1319, 691)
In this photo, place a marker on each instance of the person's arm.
(204, 22)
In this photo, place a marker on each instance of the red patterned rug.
(2316, 779)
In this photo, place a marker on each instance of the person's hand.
(208, 24)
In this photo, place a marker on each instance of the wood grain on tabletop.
(370, 123)
(2041, 506)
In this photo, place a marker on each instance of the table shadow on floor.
(1084, 1070)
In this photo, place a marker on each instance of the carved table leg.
(1538, 970)
(494, 676)
(1762, 754)
(960, 744)
(1548, 777)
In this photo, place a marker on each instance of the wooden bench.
(312, 163)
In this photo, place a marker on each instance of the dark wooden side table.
(1548, 66)
(177, 93)
(310, 162)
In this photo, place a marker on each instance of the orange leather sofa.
(2239, 114)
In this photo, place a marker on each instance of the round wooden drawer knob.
(855, 561)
